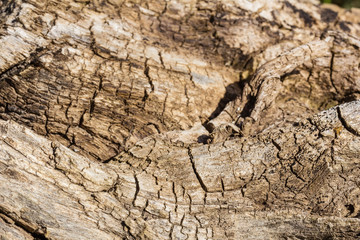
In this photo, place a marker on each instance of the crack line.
(203, 186)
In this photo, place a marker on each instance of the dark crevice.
(146, 72)
(222, 187)
(349, 97)
(174, 192)
(295, 173)
(109, 159)
(136, 190)
(249, 106)
(11, 68)
(17, 67)
(96, 92)
(203, 186)
(126, 228)
(92, 102)
(276, 145)
(81, 120)
(345, 124)
(145, 98)
(350, 208)
(33, 232)
(231, 93)
(293, 72)
(92, 105)
(204, 138)
(47, 124)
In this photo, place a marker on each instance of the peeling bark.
(179, 120)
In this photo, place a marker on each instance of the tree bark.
(179, 120)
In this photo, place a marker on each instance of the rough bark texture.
(179, 120)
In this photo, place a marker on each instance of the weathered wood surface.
(298, 181)
(99, 76)
(179, 120)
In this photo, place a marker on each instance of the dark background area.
(344, 3)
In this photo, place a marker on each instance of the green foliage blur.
(344, 3)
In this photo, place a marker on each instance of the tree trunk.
(179, 120)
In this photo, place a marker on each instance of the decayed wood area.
(192, 119)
